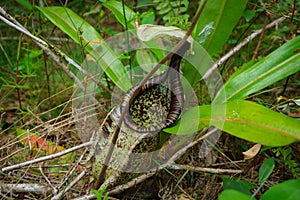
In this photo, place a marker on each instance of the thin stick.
(238, 47)
(52, 52)
(49, 157)
(208, 170)
(100, 180)
(17, 73)
(260, 37)
(25, 188)
(61, 193)
(47, 180)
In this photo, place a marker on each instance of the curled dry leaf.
(252, 152)
(185, 197)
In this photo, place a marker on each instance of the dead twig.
(176, 156)
(49, 157)
(52, 52)
(74, 168)
(238, 47)
(26, 188)
(47, 180)
(260, 37)
(61, 193)
(141, 178)
(207, 170)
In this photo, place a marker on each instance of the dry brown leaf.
(252, 152)
(184, 197)
(294, 114)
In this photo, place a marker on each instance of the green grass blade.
(25, 3)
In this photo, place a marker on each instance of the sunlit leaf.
(243, 119)
(216, 23)
(83, 33)
(148, 17)
(278, 65)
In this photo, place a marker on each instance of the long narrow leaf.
(278, 65)
(216, 23)
(243, 119)
(83, 33)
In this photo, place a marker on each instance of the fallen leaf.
(252, 152)
(185, 197)
(38, 143)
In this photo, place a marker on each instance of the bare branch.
(50, 50)
(207, 170)
(25, 188)
(61, 193)
(49, 157)
(238, 47)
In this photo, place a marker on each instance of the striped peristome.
(159, 102)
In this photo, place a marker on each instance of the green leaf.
(278, 65)
(164, 11)
(193, 120)
(244, 187)
(233, 195)
(255, 123)
(216, 23)
(83, 33)
(266, 170)
(116, 8)
(288, 190)
(144, 3)
(243, 119)
(148, 17)
(198, 59)
(145, 59)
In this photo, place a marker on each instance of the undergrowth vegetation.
(252, 96)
